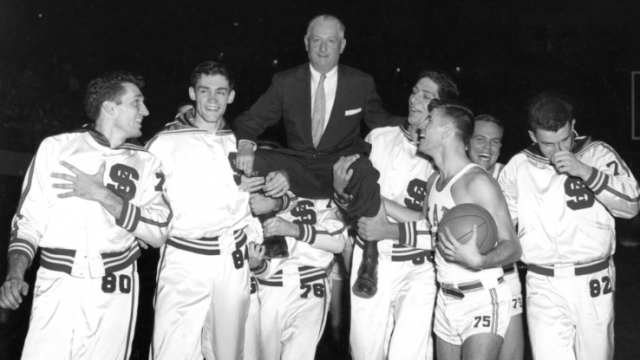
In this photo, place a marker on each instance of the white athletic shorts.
(482, 310)
(513, 280)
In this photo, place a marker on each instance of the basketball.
(460, 220)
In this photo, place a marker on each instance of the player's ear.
(232, 96)
(109, 107)
(343, 44)
(533, 136)
(447, 131)
(573, 124)
(306, 42)
(192, 93)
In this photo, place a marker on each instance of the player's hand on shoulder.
(566, 162)
(277, 226)
(261, 204)
(342, 174)
(466, 254)
(245, 157)
(251, 184)
(276, 184)
(11, 293)
(256, 254)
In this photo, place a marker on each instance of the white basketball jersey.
(439, 202)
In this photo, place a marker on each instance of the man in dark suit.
(322, 104)
(348, 95)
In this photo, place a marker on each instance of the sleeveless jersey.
(439, 202)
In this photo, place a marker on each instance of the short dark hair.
(108, 87)
(549, 112)
(211, 68)
(459, 114)
(489, 118)
(447, 88)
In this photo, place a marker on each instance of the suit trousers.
(312, 177)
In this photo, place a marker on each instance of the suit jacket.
(289, 97)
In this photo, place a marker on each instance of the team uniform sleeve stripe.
(621, 195)
(598, 181)
(407, 233)
(19, 246)
(129, 217)
(260, 269)
(307, 233)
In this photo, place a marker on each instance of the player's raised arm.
(611, 181)
(480, 189)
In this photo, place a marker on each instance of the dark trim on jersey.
(57, 259)
(156, 223)
(183, 123)
(132, 314)
(63, 259)
(21, 246)
(129, 216)
(260, 269)
(404, 128)
(598, 180)
(121, 260)
(403, 252)
(409, 233)
(307, 275)
(204, 245)
(580, 145)
(130, 144)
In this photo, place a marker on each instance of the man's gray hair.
(326, 17)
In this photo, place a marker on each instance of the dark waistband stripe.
(578, 271)
(206, 246)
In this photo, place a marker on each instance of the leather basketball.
(460, 220)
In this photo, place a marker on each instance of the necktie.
(319, 108)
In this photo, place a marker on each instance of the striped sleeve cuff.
(307, 233)
(260, 269)
(23, 247)
(598, 181)
(129, 216)
(408, 233)
(289, 201)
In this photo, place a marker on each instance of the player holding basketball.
(88, 195)
(484, 149)
(202, 296)
(396, 322)
(472, 311)
(295, 291)
(564, 192)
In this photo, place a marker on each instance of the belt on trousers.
(508, 269)
(458, 292)
(401, 253)
(584, 270)
(63, 259)
(206, 245)
(307, 274)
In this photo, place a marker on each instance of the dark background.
(501, 53)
